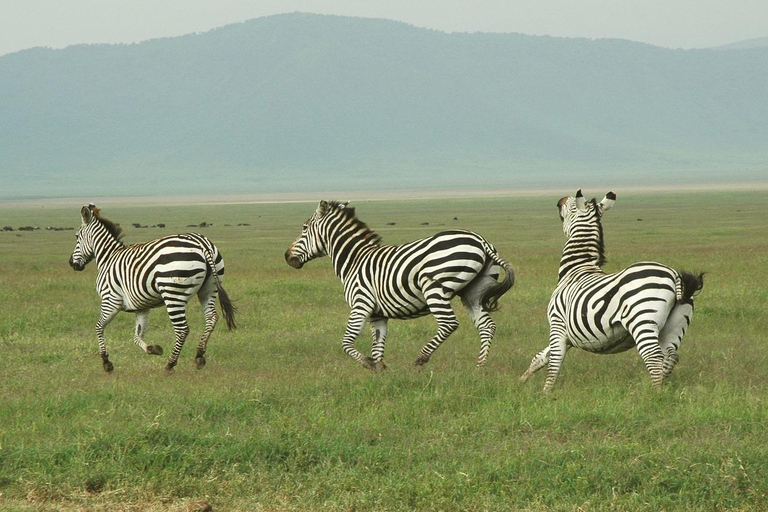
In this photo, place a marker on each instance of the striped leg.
(558, 346)
(207, 296)
(177, 311)
(672, 334)
(486, 327)
(142, 321)
(439, 303)
(108, 313)
(379, 335)
(538, 362)
(646, 336)
(471, 297)
(357, 319)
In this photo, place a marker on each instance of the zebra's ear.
(322, 208)
(607, 202)
(580, 201)
(343, 205)
(86, 213)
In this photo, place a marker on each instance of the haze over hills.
(758, 42)
(302, 102)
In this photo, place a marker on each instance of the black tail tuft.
(490, 299)
(227, 308)
(692, 285)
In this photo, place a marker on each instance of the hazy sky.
(670, 23)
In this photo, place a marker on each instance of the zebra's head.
(311, 243)
(577, 210)
(84, 251)
(95, 235)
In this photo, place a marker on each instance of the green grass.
(281, 420)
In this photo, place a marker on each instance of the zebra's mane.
(115, 230)
(600, 243)
(348, 212)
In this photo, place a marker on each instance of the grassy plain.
(281, 420)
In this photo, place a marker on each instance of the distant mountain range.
(302, 102)
(759, 42)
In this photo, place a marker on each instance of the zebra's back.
(596, 307)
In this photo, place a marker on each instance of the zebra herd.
(647, 305)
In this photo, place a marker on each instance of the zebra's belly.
(153, 296)
(401, 311)
(141, 302)
(615, 339)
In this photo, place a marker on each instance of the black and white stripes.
(404, 281)
(136, 278)
(647, 305)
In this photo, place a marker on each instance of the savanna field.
(281, 419)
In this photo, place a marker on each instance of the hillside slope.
(314, 102)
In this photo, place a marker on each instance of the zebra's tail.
(490, 298)
(227, 307)
(689, 285)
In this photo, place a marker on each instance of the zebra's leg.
(646, 336)
(558, 346)
(142, 321)
(439, 303)
(379, 335)
(207, 296)
(177, 311)
(357, 318)
(538, 362)
(671, 336)
(471, 297)
(485, 326)
(108, 313)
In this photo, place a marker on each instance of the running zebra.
(647, 305)
(404, 281)
(136, 278)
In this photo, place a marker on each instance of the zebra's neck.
(583, 250)
(104, 244)
(346, 242)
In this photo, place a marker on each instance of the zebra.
(136, 278)
(647, 305)
(404, 281)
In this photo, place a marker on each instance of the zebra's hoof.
(169, 369)
(375, 366)
(199, 362)
(421, 361)
(155, 350)
(107, 366)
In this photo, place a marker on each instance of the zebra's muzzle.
(76, 265)
(293, 260)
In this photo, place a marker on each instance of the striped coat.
(647, 305)
(167, 271)
(383, 282)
